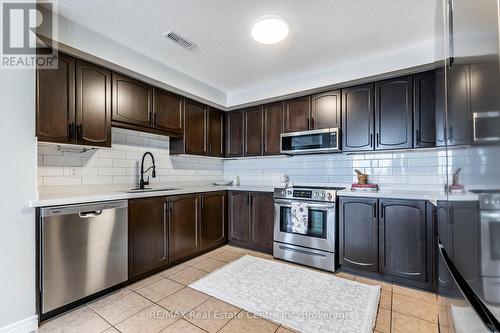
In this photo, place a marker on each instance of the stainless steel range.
(315, 246)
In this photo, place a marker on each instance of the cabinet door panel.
(167, 111)
(132, 101)
(93, 105)
(215, 133)
(297, 114)
(358, 228)
(424, 121)
(234, 133)
(253, 132)
(273, 127)
(213, 219)
(357, 118)
(195, 132)
(459, 116)
(239, 224)
(184, 226)
(393, 113)
(441, 131)
(55, 102)
(148, 235)
(262, 221)
(403, 239)
(326, 110)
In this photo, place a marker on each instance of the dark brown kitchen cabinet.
(235, 121)
(254, 130)
(357, 118)
(440, 100)
(213, 219)
(358, 229)
(167, 111)
(93, 105)
(195, 131)
(251, 220)
(215, 127)
(261, 221)
(424, 110)
(148, 235)
(273, 127)
(297, 114)
(74, 103)
(404, 239)
(459, 115)
(184, 226)
(55, 102)
(239, 217)
(132, 102)
(326, 110)
(394, 113)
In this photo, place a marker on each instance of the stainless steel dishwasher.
(83, 251)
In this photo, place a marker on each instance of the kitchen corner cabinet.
(273, 127)
(235, 124)
(357, 118)
(253, 132)
(251, 220)
(390, 237)
(459, 110)
(148, 235)
(73, 103)
(326, 110)
(394, 113)
(132, 102)
(298, 114)
(184, 226)
(167, 107)
(213, 219)
(424, 110)
(215, 129)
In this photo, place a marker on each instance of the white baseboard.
(26, 325)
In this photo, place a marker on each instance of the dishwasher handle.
(86, 215)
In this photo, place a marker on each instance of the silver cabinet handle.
(86, 215)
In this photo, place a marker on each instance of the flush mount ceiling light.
(269, 29)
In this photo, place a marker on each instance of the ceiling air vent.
(174, 37)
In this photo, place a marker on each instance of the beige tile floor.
(163, 303)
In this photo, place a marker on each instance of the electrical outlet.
(75, 172)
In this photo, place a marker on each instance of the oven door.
(321, 231)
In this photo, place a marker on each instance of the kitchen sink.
(149, 189)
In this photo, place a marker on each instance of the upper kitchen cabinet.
(234, 133)
(74, 103)
(55, 102)
(195, 117)
(459, 114)
(394, 113)
(167, 107)
(273, 127)
(93, 105)
(297, 114)
(326, 110)
(254, 128)
(132, 102)
(440, 105)
(424, 110)
(357, 118)
(215, 124)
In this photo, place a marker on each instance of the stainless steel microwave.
(311, 142)
(486, 127)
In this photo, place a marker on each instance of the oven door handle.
(282, 202)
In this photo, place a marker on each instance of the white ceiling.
(323, 33)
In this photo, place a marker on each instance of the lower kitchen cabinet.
(391, 238)
(184, 225)
(358, 226)
(213, 219)
(148, 235)
(251, 220)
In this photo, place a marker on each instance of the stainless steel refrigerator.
(468, 136)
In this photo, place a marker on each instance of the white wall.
(18, 180)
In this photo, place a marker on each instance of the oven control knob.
(283, 192)
(329, 196)
(323, 194)
(316, 194)
(289, 192)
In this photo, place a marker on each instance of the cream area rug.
(302, 299)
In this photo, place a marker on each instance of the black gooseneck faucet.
(142, 182)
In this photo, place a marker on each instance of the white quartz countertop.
(82, 194)
(86, 195)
